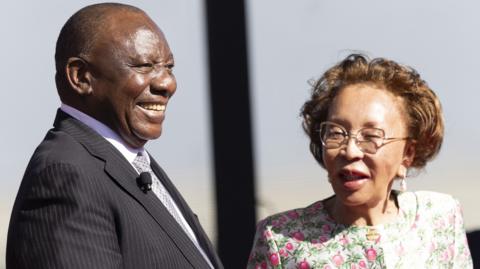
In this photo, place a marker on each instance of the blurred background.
(289, 43)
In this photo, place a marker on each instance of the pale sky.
(290, 42)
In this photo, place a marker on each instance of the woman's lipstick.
(352, 180)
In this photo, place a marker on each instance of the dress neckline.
(403, 222)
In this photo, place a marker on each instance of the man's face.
(131, 78)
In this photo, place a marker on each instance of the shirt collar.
(128, 152)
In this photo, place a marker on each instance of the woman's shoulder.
(428, 201)
(312, 213)
(429, 197)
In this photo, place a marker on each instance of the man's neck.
(127, 151)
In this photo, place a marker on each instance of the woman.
(369, 123)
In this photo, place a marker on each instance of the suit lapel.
(121, 171)
(187, 213)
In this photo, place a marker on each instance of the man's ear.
(79, 76)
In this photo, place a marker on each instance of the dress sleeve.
(264, 253)
(462, 258)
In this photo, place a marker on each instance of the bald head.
(82, 30)
(114, 64)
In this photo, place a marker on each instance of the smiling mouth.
(350, 176)
(153, 107)
(352, 180)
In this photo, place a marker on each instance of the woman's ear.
(409, 153)
(407, 159)
(79, 76)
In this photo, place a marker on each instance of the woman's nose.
(351, 149)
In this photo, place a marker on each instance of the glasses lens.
(371, 135)
(367, 147)
(369, 139)
(332, 135)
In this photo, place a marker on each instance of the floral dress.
(428, 233)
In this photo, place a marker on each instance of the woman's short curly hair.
(423, 110)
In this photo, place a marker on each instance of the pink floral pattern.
(428, 233)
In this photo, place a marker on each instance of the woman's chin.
(354, 185)
(352, 199)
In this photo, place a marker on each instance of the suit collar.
(122, 172)
(128, 152)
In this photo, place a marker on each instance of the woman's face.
(359, 178)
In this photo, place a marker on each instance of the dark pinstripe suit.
(79, 207)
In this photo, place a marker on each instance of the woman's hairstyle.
(423, 110)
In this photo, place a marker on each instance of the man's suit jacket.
(79, 206)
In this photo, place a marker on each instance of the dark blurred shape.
(232, 131)
(144, 181)
(474, 245)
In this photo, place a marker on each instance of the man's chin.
(144, 137)
(137, 138)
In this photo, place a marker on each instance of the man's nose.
(164, 82)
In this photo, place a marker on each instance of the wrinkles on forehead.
(145, 42)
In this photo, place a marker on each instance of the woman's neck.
(364, 215)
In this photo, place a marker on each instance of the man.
(85, 199)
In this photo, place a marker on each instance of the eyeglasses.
(368, 139)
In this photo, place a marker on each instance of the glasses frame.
(350, 135)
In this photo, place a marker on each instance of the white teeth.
(154, 107)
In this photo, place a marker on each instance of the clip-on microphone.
(144, 181)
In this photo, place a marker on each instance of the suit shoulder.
(57, 147)
(60, 163)
(60, 143)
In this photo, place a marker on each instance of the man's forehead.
(134, 42)
(126, 29)
(144, 40)
(126, 21)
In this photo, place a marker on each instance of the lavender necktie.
(141, 164)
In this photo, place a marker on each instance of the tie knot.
(141, 163)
